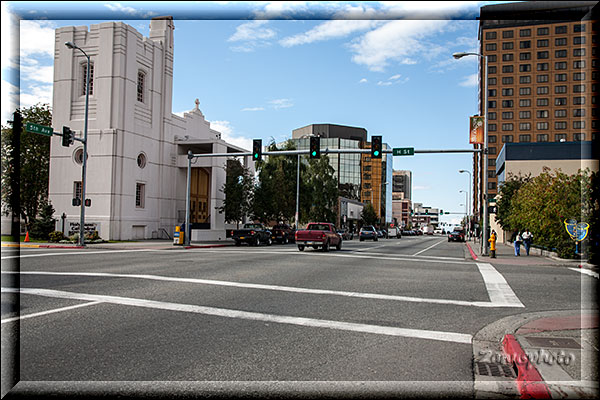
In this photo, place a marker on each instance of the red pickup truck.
(318, 234)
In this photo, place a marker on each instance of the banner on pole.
(476, 129)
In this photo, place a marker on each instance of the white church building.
(137, 148)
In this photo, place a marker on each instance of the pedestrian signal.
(375, 146)
(315, 147)
(257, 149)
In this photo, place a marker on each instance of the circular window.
(78, 156)
(141, 160)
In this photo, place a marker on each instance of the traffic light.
(67, 136)
(376, 147)
(315, 147)
(427, 211)
(257, 149)
(441, 212)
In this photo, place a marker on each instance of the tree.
(322, 189)
(238, 190)
(41, 227)
(507, 191)
(368, 215)
(35, 164)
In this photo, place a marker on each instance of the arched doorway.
(199, 198)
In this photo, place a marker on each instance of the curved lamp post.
(484, 191)
(462, 171)
(72, 46)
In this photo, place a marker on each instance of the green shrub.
(56, 236)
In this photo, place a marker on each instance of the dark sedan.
(456, 236)
(367, 233)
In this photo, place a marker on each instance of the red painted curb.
(208, 246)
(473, 255)
(529, 381)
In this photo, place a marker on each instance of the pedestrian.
(527, 240)
(518, 241)
(492, 241)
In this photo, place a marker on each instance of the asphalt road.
(401, 311)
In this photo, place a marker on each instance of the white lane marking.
(56, 310)
(424, 250)
(369, 248)
(498, 289)
(254, 316)
(78, 253)
(371, 296)
(585, 271)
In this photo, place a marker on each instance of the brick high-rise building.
(542, 77)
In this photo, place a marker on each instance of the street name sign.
(41, 129)
(403, 151)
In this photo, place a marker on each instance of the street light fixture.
(484, 191)
(466, 208)
(72, 46)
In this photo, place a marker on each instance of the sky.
(263, 69)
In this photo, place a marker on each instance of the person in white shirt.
(527, 239)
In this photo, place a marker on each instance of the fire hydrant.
(492, 241)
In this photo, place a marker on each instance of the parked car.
(253, 234)
(456, 236)
(318, 234)
(394, 232)
(367, 233)
(282, 233)
(345, 234)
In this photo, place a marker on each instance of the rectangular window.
(491, 173)
(560, 113)
(524, 67)
(492, 104)
(508, 92)
(578, 137)
(579, 76)
(492, 127)
(492, 58)
(525, 103)
(543, 43)
(525, 91)
(491, 162)
(560, 29)
(492, 69)
(492, 81)
(578, 52)
(507, 138)
(507, 57)
(579, 40)
(578, 88)
(542, 78)
(542, 113)
(492, 116)
(84, 78)
(508, 45)
(543, 31)
(579, 112)
(491, 185)
(543, 90)
(140, 194)
(524, 56)
(560, 89)
(543, 55)
(578, 124)
(140, 86)
(508, 80)
(492, 150)
(542, 102)
(507, 69)
(579, 100)
(490, 47)
(560, 65)
(524, 138)
(492, 139)
(490, 35)
(507, 115)
(524, 126)
(560, 137)
(492, 92)
(560, 53)
(507, 34)
(525, 44)
(77, 189)
(542, 126)
(560, 77)
(578, 64)
(579, 28)
(543, 66)
(561, 125)
(524, 114)
(525, 79)
(542, 137)
(560, 101)
(560, 41)
(525, 32)
(507, 103)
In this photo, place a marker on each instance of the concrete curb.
(529, 380)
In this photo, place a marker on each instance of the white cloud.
(43, 74)
(118, 7)
(470, 81)
(397, 41)
(329, 30)
(363, 80)
(384, 83)
(10, 97)
(36, 38)
(281, 103)
(253, 109)
(417, 187)
(252, 35)
(37, 94)
(228, 134)
(394, 77)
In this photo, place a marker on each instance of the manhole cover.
(494, 369)
(561, 343)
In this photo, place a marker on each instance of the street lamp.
(72, 46)
(462, 171)
(466, 208)
(484, 191)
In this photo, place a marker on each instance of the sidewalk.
(538, 355)
(150, 244)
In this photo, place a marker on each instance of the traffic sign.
(403, 151)
(41, 129)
